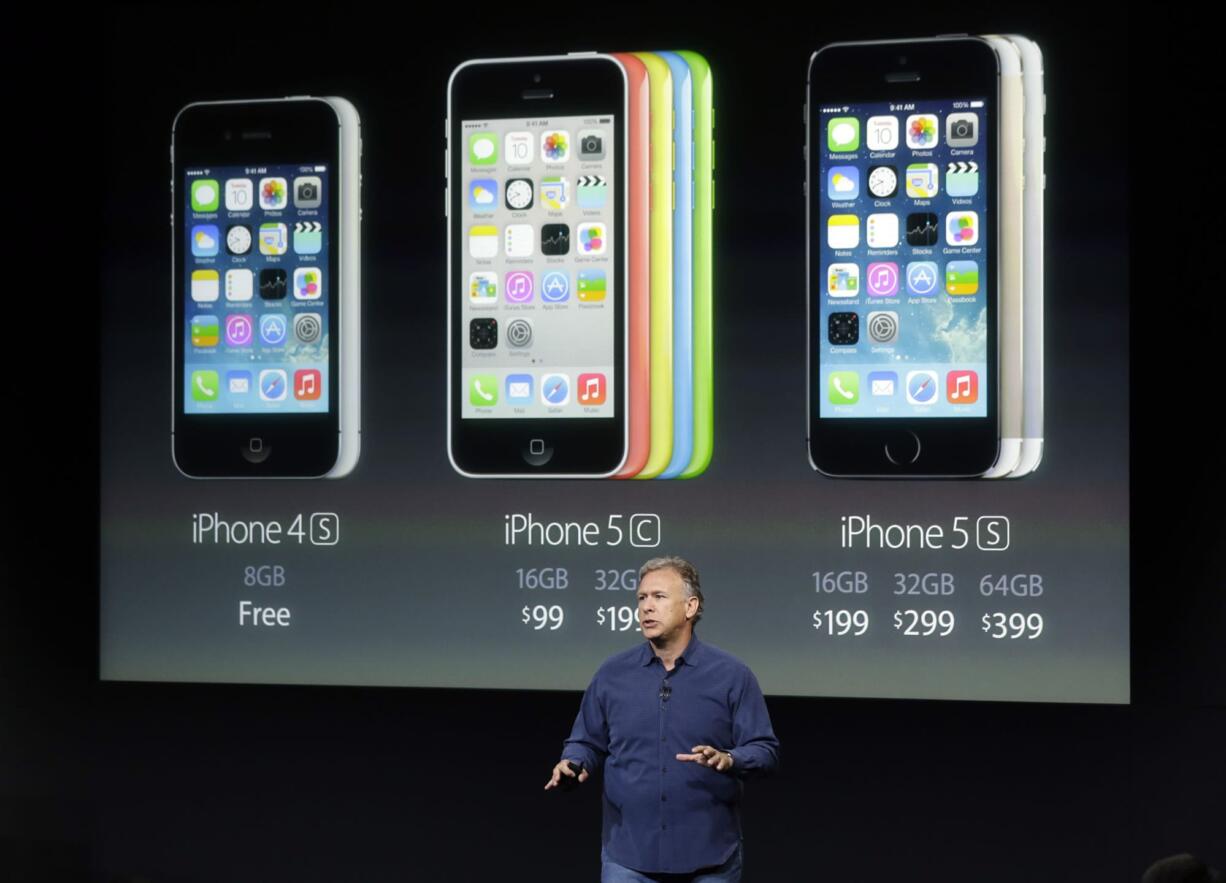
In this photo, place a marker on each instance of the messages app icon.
(843, 135)
(482, 149)
(205, 195)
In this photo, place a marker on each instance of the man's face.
(663, 606)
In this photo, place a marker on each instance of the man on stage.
(678, 724)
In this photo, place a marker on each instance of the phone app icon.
(883, 181)
(555, 146)
(843, 182)
(962, 387)
(240, 195)
(274, 194)
(273, 329)
(205, 240)
(518, 147)
(519, 286)
(483, 333)
(307, 384)
(591, 145)
(962, 178)
(962, 228)
(483, 288)
(483, 194)
(518, 194)
(206, 386)
(482, 149)
(922, 278)
(205, 286)
(555, 240)
(273, 385)
(962, 129)
(882, 384)
(519, 389)
(483, 242)
(205, 195)
(921, 387)
(240, 285)
(308, 283)
(882, 133)
(308, 327)
(590, 285)
(238, 329)
(923, 228)
(308, 237)
(273, 283)
(483, 390)
(843, 134)
(519, 241)
(205, 331)
(555, 390)
(843, 388)
(961, 278)
(555, 193)
(593, 238)
(555, 287)
(843, 280)
(308, 191)
(238, 382)
(883, 326)
(843, 231)
(883, 230)
(882, 279)
(922, 131)
(843, 329)
(593, 191)
(274, 238)
(592, 389)
(922, 180)
(238, 239)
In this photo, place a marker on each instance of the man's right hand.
(563, 769)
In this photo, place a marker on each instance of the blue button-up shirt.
(663, 815)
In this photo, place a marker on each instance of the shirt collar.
(692, 654)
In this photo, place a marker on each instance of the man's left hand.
(720, 761)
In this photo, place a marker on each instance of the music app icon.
(518, 286)
(306, 384)
(592, 389)
(962, 387)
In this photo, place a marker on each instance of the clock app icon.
(238, 239)
(883, 181)
(519, 194)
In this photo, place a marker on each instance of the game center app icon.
(962, 228)
(308, 283)
(593, 239)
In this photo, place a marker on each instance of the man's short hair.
(684, 569)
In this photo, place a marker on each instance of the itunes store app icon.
(519, 286)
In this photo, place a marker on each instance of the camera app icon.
(962, 129)
(591, 145)
(308, 192)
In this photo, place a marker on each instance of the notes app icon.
(843, 231)
(592, 389)
(483, 241)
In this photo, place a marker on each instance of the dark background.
(201, 783)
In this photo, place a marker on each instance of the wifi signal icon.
(922, 228)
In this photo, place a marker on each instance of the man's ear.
(691, 610)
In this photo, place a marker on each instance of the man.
(677, 724)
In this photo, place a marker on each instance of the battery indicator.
(321, 168)
(976, 104)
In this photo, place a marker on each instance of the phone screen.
(538, 268)
(903, 232)
(256, 289)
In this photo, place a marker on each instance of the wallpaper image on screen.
(902, 228)
(255, 336)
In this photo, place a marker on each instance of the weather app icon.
(843, 182)
(483, 195)
(205, 238)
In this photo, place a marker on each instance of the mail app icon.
(519, 388)
(882, 383)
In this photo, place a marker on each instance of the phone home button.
(255, 450)
(902, 448)
(537, 453)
